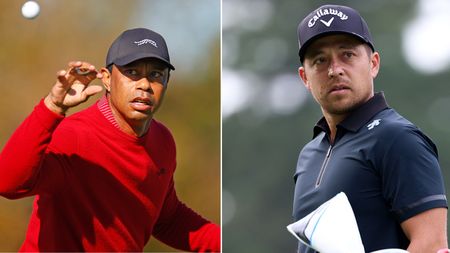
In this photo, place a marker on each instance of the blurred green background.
(32, 51)
(268, 115)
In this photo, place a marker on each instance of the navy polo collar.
(358, 117)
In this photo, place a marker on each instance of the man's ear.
(302, 74)
(375, 64)
(106, 79)
(168, 78)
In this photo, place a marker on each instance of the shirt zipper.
(324, 166)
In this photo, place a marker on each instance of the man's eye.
(131, 72)
(155, 74)
(319, 60)
(348, 54)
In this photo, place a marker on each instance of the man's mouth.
(142, 100)
(339, 88)
(141, 104)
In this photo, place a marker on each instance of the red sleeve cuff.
(48, 119)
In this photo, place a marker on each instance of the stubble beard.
(343, 107)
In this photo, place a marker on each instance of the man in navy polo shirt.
(387, 167)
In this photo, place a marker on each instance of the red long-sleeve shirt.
(98, 188)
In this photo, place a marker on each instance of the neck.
(333, 121)
(135, 128)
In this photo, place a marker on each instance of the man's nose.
(335, 68)
(144, 84)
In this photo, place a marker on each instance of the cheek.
(158, 91)
(316, 85)
(122, 86)
(317, 92)
(120, 92)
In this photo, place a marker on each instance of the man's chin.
(343, 108)
(141, 115)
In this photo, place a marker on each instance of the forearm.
(427, 231)
(206, 239)
(428, 243)
(24, 152)
(189, 231)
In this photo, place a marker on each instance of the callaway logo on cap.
(322, 13)
(136, 44)
(331, 19)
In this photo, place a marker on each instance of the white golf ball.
(30, 9)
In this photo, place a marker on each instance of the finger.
(90, 76)
(70, 77)
(61, 73)
(74, 64)
(84, 70)
(87, 68)
(92, 90)
(83, 64)
(81, 71)
(62, 78)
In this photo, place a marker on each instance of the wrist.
(52, 106)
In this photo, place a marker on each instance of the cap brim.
(302, 50)
(134, 57)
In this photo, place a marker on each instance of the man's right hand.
(72, 87)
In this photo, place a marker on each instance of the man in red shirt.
(103, 177)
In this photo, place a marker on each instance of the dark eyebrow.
(349, 46)
(311, 53)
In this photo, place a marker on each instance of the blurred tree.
(260, 148)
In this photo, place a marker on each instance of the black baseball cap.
(135, 44)
(331, 19)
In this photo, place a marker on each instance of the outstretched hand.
(72, 87)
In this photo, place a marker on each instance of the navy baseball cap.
(331, 19)
(135, 44)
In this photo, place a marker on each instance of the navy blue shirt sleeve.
(410, 172)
